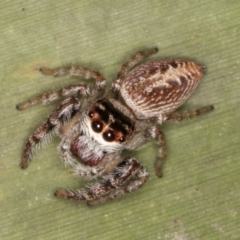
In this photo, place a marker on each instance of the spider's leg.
(130, 63)
(68, 91)
(66, 110)
(189, 114)
(159, 135)
(140, 177)
(127, 177)
(143, 137)
(77, 71)
(48, 97)
(155, 133)
(162, 153)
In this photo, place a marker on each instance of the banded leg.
(48, 97)
(43, 133)
(127, 177)
(155, 133)
(134, 60)
(141, 175)
(77, 71)
(162, 153)
(190, 114)
(68, 91)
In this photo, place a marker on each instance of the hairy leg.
(43, 133)
(189, 114)
(155, 133)
(159, 135)
(141, 177)
(162, 153)
(127, 177)
(68, 91)
(77, 71)
(175, 116)
(143, 137)
(48, 97)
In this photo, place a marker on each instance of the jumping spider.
(96, 125)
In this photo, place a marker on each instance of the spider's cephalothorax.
(95, 126)
(103, 129)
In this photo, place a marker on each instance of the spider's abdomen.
(159, 87)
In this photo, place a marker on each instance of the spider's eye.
(90, 114)
(97, 126)
(108, 136)
(121, 139)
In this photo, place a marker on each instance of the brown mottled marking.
(174, 64)
(182, 79)
(172, 85)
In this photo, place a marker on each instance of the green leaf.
(198, 197)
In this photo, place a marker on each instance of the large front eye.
(97, 126)
(108, 136)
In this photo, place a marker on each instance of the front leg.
(43, 133)
(127, 177)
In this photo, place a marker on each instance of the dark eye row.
(97, 126)
(109, 135)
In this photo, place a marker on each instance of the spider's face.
(108, 125)
(104, 129)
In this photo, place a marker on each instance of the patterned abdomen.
(159, 87)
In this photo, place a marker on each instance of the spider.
(96, 124)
